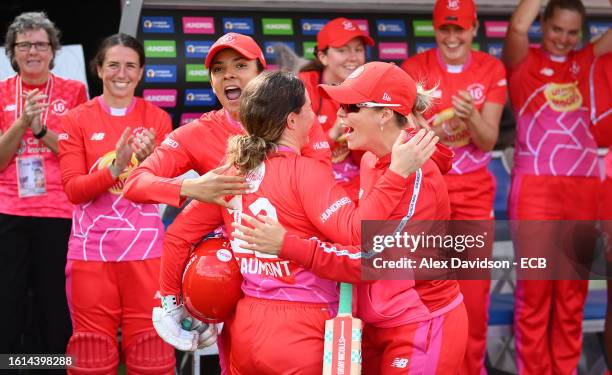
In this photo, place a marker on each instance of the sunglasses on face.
(353, 108)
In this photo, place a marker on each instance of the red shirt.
(600, 96)
(199, 145)
(425, 199)
(345, 162)
(107, 227)
(550, 99)
(63, 95)
(302, 195)
(483, 76)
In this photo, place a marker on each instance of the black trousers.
(34, 313)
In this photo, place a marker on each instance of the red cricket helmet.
(212, 281)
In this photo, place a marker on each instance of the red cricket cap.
(376, 82)
(244, 45)
(455, 12)
(340, 31)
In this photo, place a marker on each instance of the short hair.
(573, 5)
(120, 39)
(30, 21)
(266, 102)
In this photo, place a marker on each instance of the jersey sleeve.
(332, 212)
(189, 227)
(154, 181)
(79, 185)
(499, 85)
(325, 259)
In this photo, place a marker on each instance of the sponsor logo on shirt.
(198, 25)
(399, 362)
(391, 27)
(277, 26)
(312, 26)
(547, 72)
(170, 143)
(239, 25)
(334, 207)
(63, 137)
(106, 160)
(161, 25)
(9, 107)
(455, 132)
(322, 145)
(502, 82)
(322, 119)
(563, 97)
(97, 136)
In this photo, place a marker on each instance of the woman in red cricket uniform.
(412, 326)
(340, 50)
(115, 245)
(285, 305)
(555, 177)
(471, 94)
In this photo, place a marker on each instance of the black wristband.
(41, 133)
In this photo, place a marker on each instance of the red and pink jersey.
(549, 95)
(106, 226)
(201, 146)
(483, 76)
(63, 95)
(388, 303)
(345, 163)
(302, 195)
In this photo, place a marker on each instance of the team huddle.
(288, 169)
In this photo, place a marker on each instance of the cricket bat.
(342, 348)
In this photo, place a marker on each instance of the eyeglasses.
(352, 108)
(25, 46)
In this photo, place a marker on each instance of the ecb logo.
(229, 26)
(148, 24)
(190, 97)
(381, 27)
(306, 26)
(150, 73)
(269, 49)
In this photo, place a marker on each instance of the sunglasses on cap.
(352, 108)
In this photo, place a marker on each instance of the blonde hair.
(266, 102)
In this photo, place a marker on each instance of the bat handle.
(346, 299)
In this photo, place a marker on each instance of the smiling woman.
(115, 246)
(34, 211)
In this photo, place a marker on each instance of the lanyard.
(19, 101)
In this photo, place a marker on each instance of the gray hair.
(30, 21)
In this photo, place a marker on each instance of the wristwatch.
(41, 133)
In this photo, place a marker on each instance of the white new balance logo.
(386, 97)
(400, 362)
(97, 136)
(9, 107)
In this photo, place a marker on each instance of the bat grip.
(346, 299)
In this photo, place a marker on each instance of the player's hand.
(408, 157)
(33, 106)
(213, 186)
(463, 104)
(123, 153)
(265, 236)
(178, 328)
(143, 144)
